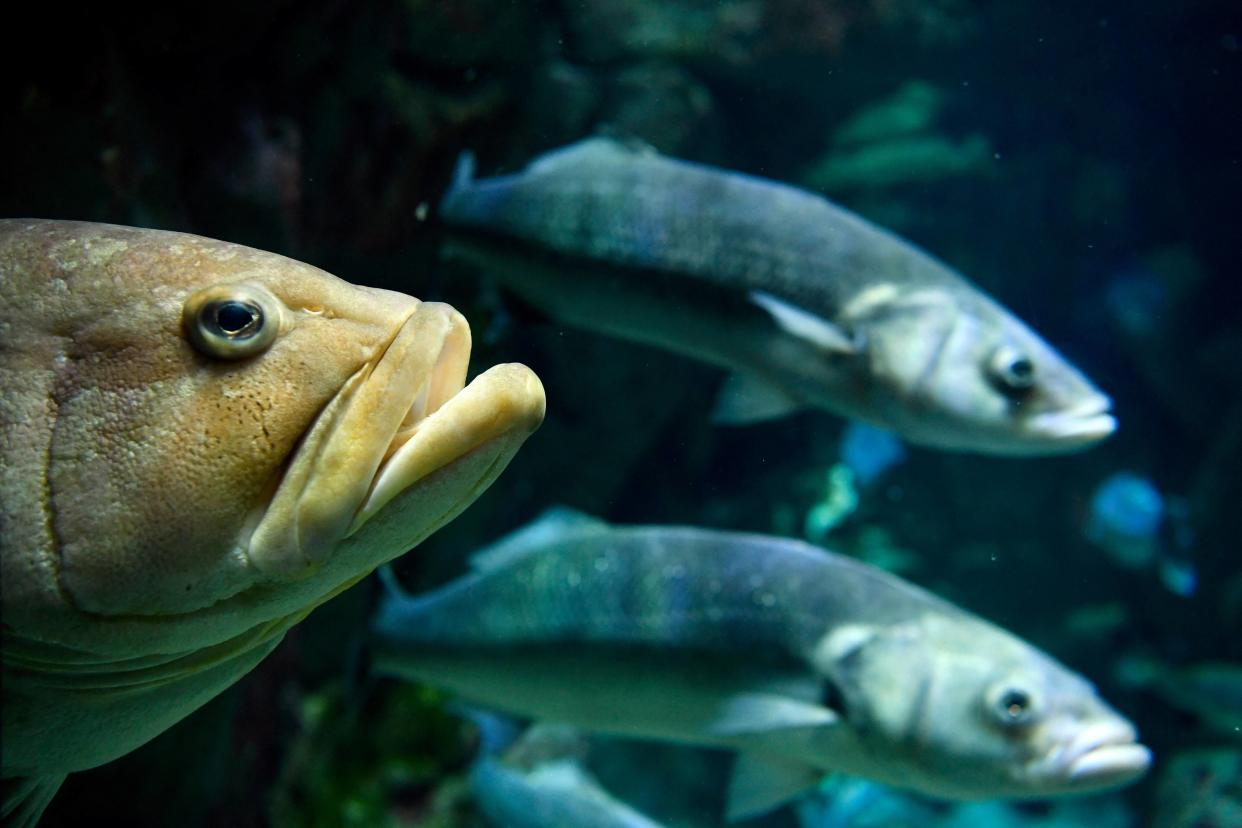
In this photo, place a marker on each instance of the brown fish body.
(199, 443)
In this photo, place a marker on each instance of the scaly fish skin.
(798, 659)
(199, 443)
(811, 304)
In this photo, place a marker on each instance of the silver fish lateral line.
(801, 661)
(804, 303)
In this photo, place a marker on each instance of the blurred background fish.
(535, 779)
(1142, 529)
(1210, 692)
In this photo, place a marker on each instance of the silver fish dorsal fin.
(596, 149)
(764, 783)
(552, 524)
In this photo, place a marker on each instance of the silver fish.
(809, 304)
(199, 443)
(538, 781)
(556, 794)
(801, 661)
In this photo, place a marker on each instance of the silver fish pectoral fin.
(802, 324)
(762, 783)
(26, 798)
(759, 714)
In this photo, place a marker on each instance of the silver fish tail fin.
(26, 798)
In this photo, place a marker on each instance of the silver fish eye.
(1011, 705)
(1011, 370)
(231, 321)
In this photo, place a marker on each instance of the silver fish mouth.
(1103, 755)
(1087, 422)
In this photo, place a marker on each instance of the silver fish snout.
(1086, 422)
(1107, 753)
(1101, 755)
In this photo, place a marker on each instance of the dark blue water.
(1082, 165)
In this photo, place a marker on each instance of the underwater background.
(1082, 163)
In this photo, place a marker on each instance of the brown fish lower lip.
(504, 398)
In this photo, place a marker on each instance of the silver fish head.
(959, 709)
(956, 371)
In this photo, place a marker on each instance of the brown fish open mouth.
(448, 419)
(400, 418)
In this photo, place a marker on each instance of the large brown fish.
(199, 443)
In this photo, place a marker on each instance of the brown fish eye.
(229, 322)
(1012, 371)
(238, 319)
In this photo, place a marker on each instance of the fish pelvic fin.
(26, 798)
(746, 399)
(762, 783)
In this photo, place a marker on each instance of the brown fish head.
(237, 436)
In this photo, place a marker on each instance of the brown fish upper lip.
(445, 379)
(401, 417)
(448, 419)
